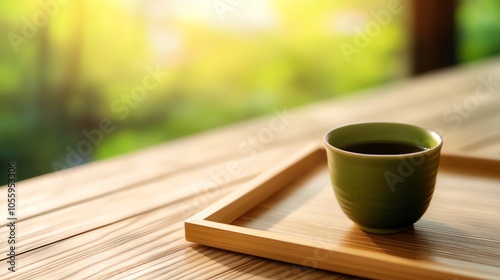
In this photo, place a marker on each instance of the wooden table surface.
(124, 217)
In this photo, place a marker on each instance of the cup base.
(384, 230)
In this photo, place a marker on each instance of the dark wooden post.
(433, 34)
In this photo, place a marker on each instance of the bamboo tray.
(290, 214)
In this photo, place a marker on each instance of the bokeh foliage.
(221, 68)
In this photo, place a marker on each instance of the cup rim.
(433, 134)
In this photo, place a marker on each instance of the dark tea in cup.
(383, 148)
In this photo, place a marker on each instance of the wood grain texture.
(302, 223)
(115, 251)
(122, 217)
(101, 211)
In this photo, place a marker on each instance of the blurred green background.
(130, 74)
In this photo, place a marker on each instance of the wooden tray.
(290, 214)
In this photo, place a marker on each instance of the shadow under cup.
(383, 193)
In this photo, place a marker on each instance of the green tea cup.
(383, 174)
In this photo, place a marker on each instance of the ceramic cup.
(385, 191)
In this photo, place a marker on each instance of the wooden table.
(124, 217)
